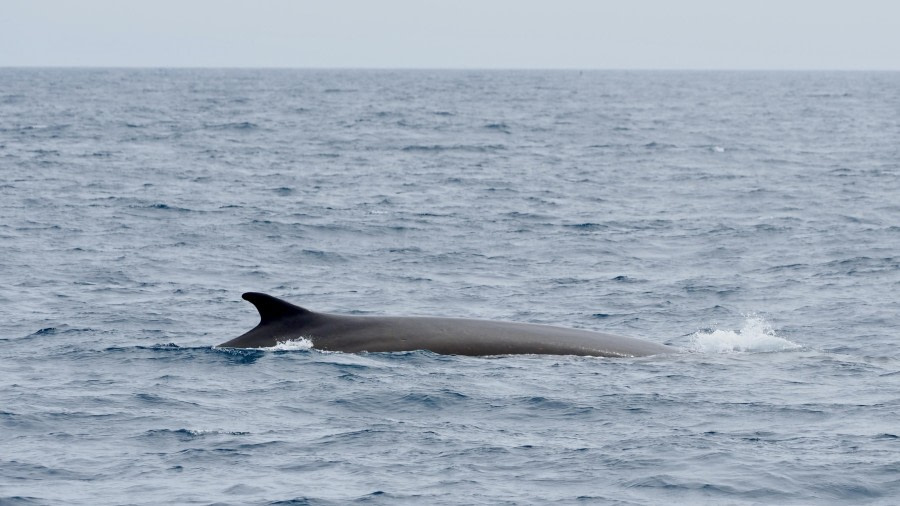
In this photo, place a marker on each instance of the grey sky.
(633, 34)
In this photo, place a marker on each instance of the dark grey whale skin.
(282, 321)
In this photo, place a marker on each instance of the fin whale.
(281, 321)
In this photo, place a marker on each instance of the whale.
(281, 321)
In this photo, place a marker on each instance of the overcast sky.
(587, 34)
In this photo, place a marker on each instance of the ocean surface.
(750, 219)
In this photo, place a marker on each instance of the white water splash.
(756, 335)
(300, 343)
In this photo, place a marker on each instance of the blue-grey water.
(750, 219)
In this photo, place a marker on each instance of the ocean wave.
(189, 434)
(237, 125)
(469, 148)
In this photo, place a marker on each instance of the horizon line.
(461, 68)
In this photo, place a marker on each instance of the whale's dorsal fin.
(271, 308)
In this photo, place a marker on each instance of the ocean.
(749, 219)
